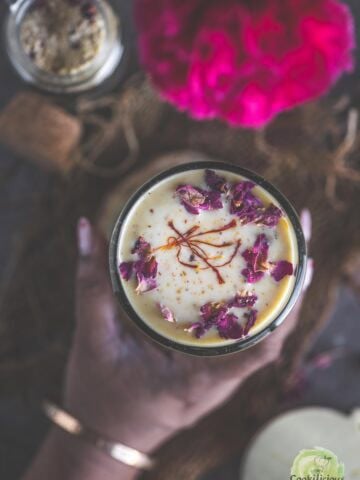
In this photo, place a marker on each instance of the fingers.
(96, 309)
(306, 223)
(309, 274)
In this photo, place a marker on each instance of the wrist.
(73, 458)
(65, 455)
(136, 430)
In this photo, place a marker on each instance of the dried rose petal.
(197, 328)
(244, 204)
(167, 313)
(243, 300)
(195, 199)
(215, 182)
(241, 188)
(251, 276)
(141, 247)
(256, 259)
(250, 322)
(211, 314)
(216, 315)
(192, 198)
(257, 262)
(250, 209)
(227, 324)
(126, 269)
(229, 327)
(145, 268)
(281, 269)
(213, 201)
(271, 216)
(257, 255)
(241, 194)
(145, 284)
(146, 271)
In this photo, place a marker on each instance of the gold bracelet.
(117, 451)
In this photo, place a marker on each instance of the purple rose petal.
(191, 198)
(250, 321)
(213, 201)
(145, 284)
(227, 324)
(126, 270)
(244, 204)
(239, 190)
(243, 300)
(167, 313)
(256, 259)
(229, 327)
(146, 271)
(195, 199)
(250, 209)
(141, 247)
(145, 268)
(271, 216)
(197, 328)
(257, 255)
(281, 269)
(251, 276)
(210, 314)
(215, 182)
(257, 263)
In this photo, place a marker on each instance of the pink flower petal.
(244, 61)
(281, 269)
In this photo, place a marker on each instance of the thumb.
(96, 308)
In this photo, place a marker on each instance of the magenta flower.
(244, 61)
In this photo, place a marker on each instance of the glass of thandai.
(207, 258)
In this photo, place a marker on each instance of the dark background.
(21, 186)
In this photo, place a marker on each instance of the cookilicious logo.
(317, 464)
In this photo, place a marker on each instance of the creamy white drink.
(207, 258)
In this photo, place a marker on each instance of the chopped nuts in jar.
(63, 37)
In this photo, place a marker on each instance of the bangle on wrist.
(118, 451)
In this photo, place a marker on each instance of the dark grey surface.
(21, 426)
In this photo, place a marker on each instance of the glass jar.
(242, 343)
(94, 73)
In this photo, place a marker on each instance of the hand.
(128, 388)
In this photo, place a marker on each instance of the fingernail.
(309, 274)
(84, 237)
(305, 219)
